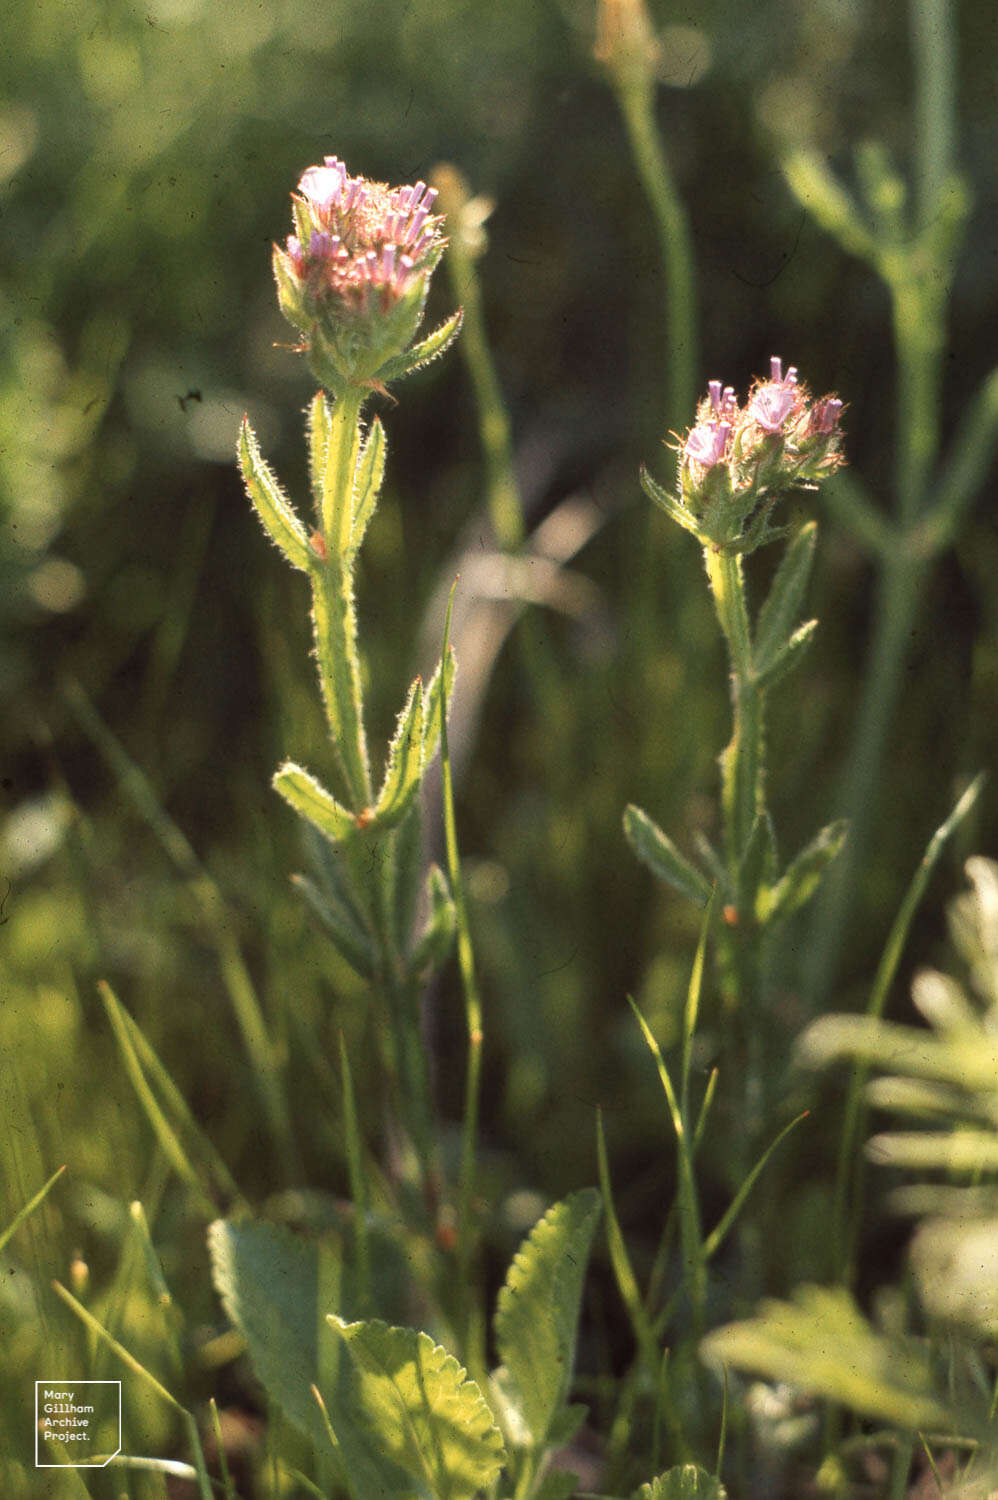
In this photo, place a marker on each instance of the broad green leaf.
(311, 800)
(405, 763)
(777, 616)
(432, 700)
(268, 1280)
(959, 1151)
(401, 1399)
(685, 1482)
(421, 354)
(821, 1343)
(656, 850)
(803, 875)
(437, 940)
(968, 1062)
(319, 419)
(788, 656)
(367, 480)
(271, 503)
(538, 1309)
(343, 927)
(671, 506)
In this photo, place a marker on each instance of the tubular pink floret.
(714, 390)
(706, 443)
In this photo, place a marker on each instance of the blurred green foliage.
(146, 155)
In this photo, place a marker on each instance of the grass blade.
(30, 1207)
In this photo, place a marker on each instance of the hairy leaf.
(656, 850)
(421, 354)
(311, 800)
(367, 479)
(803, 875)
(271, 503)
(405, 763)
(776, 618)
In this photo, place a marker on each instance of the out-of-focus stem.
(463, 216)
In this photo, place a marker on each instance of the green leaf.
(271, 503)
(672, 508)
(342, 925)
(822, 1344)
(434, 946)
(268, 1280)
(421, 354)
(685, 1482)
(791, 654)
(660, 854)
(803, 876)
(311, 800)
(319, 423)
(367, 480)
(30, 1206)
(758, 865)
(776, 618)
(405, 763)
(403, 1405)
(557, 1484)
(538, 1309)
(432, 700)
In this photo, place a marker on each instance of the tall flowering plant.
(735, 464)
(352, 279)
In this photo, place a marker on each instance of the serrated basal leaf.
(432, 701)
(401, 1398)
(685, 1482)
(367, 479)
(311, 800)
(803, 875)
(268, 1280)
(271, 503)
(343, 928)
(656, 850)
(820, 1343)
(421, 354)
(776, 618)
(437, 939)
(538, 1309)
(319, 422)
(791, 654)
(405, 763)
(672, 508)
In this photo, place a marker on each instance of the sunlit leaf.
(271, 503)
(656, 850)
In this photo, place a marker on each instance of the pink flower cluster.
(777, 407)
(357, 237)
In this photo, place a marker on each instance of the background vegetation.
(146, 154)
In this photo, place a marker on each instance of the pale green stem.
(505, 506)
(333, 598)
(742, 763)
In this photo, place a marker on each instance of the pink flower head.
(774, 400)
(707, 442)
(825, 415)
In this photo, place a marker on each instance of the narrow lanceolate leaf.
(788, 657)
(341, 924)
(433, 700)
(778, 614)
(538, 1309)
(672, 508)
(405, 763)
(319, 419)
(421, 354)
(367, 480)
(311, 800)
(685, 1482)
(660, 854)
(408, 1421)
(437, 940)
(803, 876)
(822, 1344)
(271, 503)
